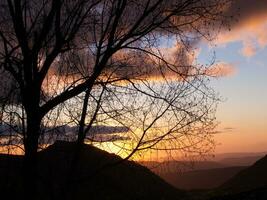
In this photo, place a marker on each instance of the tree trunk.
(31, 146)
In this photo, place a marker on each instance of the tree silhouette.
(93, 63)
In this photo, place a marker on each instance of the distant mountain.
(222, 160)
(221, 156)
(201, 179)
(96, 175)
(180, 166)
(187, 175)
(241, 161)
(251, 178)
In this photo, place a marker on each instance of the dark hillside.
(94, 177)
(256, 194)
(248, 184)
(249, 179)
(201, 179)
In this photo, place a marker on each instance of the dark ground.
(97, 176)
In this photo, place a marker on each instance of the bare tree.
(122, 63)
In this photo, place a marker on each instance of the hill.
(251, 178)
(201, 179)
(248, 184)
(255, 194)
(96, 175)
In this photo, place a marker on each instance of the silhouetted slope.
(201, 179)
(249, 184)
(96, 177)
(255, 194)
(248, 179)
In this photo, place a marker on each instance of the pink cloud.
(221, 69)
(249, 48)
(250, 27)
(172, 63)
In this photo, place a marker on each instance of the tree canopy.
(121, 72)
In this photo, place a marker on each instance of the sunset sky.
(239, 50)
(243, 50)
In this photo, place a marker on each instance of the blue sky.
(243, 112)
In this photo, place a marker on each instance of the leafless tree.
(119, 63)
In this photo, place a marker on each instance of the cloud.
(249, 49)
(180, 63)
(221, 69)
(249, 27)
(107, 138)
(247, 10)
(108, 129)
(172, 63)
(95, 130)
(229, 128)
(100, 129)
(225, 130)
(97, 133)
